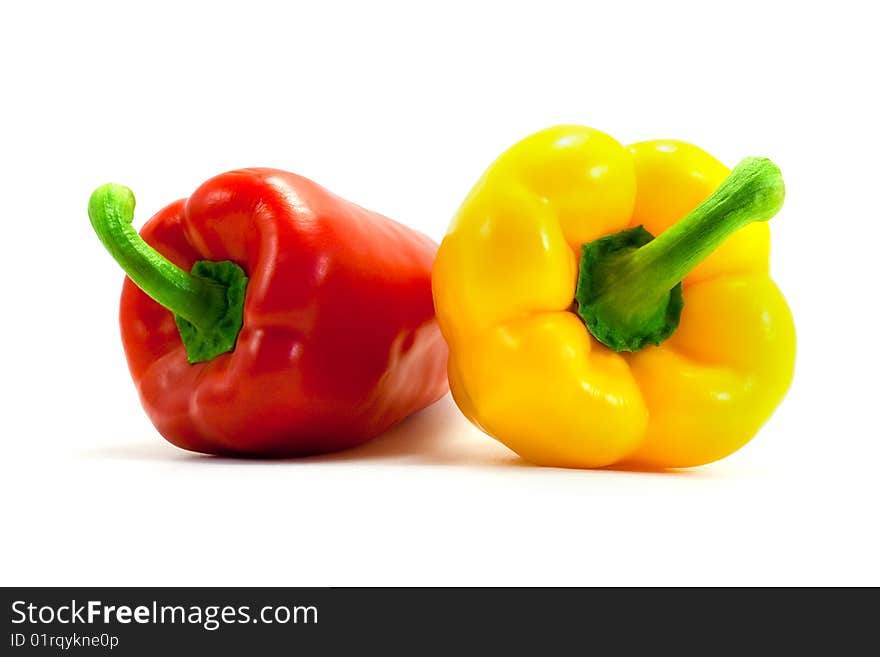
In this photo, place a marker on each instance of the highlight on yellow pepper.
(612, 305)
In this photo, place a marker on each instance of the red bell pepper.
(266, 316)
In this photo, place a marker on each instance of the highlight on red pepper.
(265, 316)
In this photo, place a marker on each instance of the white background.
(399, 107)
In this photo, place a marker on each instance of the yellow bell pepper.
(577, 339)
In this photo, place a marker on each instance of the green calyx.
(207, 302)
(623, 325)
(218, 337)
(629, 284)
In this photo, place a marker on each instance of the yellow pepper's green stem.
(629, 285)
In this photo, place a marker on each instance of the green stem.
(208, 302)
(629, 292)
(198, 300)
(753, 192)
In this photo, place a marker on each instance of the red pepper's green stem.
(207, 303)
(199, 301)
(629, 292)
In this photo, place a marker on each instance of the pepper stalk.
(629, 285)
(207, 302)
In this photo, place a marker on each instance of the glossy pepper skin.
(338, 340)
(523, 365)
